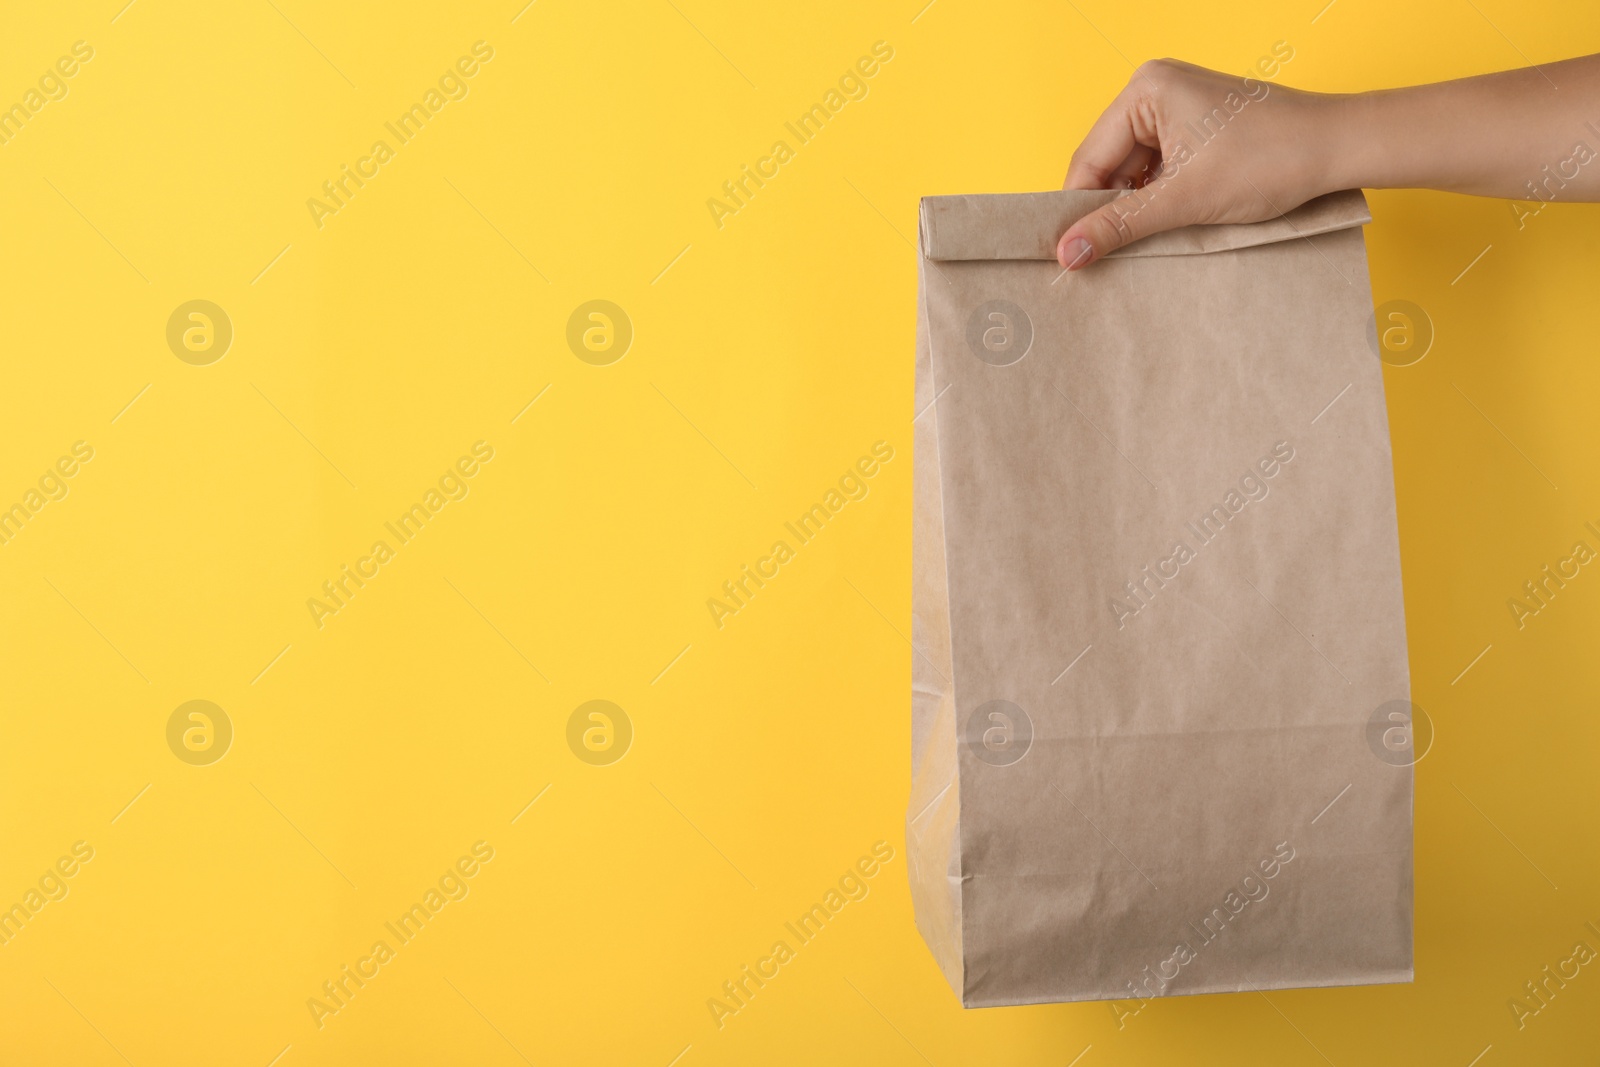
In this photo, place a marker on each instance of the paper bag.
(1160, 696)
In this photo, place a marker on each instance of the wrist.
(1347, 146)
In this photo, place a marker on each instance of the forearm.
(1520, 134)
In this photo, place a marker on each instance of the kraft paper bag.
(1159, 649)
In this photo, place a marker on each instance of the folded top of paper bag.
(1028, 225)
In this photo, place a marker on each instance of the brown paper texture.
(1157, 610)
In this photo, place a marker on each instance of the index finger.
(1127, 125)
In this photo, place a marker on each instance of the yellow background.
(774, 752)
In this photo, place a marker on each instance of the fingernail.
(1074, 253)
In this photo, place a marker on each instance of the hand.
(1200, 147)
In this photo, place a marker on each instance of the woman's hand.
(1198, 146)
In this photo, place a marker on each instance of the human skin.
(1529, 134)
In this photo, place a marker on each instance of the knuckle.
(1157, 71)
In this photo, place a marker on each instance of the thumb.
(1119, 223)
